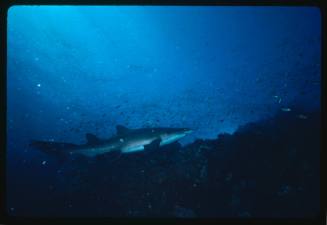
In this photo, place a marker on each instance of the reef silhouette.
(265, 169)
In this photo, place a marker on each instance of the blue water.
(75, 70)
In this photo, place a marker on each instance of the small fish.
(301, 116)
(286, 109)
(204, 147)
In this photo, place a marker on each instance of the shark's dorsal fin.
(121, 130)
(92, 139)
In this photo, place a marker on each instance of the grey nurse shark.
(125, 141)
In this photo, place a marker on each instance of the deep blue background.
(77, 70)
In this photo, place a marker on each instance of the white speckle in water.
(38, 85)
(121, 140)
(44, 162)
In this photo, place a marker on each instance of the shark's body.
(126, 141)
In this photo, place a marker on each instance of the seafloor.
(265, 169)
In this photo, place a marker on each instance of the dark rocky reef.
(266, 169)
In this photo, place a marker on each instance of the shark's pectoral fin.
(155, 144)
(92, 139)
(121, 130)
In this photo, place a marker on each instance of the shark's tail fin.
(49, 146)
(57, 149)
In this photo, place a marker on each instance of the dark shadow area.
(265, 169)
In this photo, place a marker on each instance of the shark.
(125, 141)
